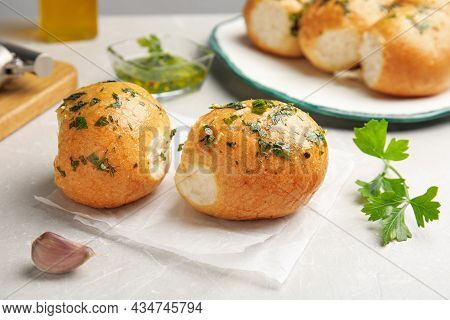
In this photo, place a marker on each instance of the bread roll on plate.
(272, 25)
(255, 159)
(407, 53)
(331, 31)
(113, 144)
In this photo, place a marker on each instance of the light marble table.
(343, 260)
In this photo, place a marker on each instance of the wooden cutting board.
(24, 98)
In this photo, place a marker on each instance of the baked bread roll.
(272, 25)
(255, 159)
(331, 31)
(407, 53)
(113, 144)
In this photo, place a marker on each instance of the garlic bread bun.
(408, 52)
(272, 25)
(255, 159)
(331, 31)
(113, 144)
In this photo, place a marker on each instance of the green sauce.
(161, 71)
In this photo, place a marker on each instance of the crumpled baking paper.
(165, 221)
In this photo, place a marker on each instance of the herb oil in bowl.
(165, 66)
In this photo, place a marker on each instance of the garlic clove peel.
(52, 253)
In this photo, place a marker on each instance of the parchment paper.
(165, 221)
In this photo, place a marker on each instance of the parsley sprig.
(387, 199)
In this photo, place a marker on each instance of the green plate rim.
(417, 117)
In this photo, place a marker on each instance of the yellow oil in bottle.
(66, 20)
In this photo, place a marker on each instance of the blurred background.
(30, 7)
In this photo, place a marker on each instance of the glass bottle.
(66, 20)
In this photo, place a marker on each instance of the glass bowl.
(130, 63)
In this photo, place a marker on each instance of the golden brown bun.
(272, 25)
(408, 60)
(331, 31)
(110, 135)
(238, 176)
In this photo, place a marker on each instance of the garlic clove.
(55, 254)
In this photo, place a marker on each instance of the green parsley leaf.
(382, 205)
(255, 127)
(280, 152)
(287, 111)
(152, 43)
(394, 226)
(117, 103)
(101, 164)
(78, 123)
(235, 105)
(94, 101)
(172, 133)
(375, 187)
(279, 149)
(230, 120)
(259, 106)
(424, 208)
(132, 92)
(180, 146)
(295, 18)
(316, 137)
(93, 158)
(371, 139)
(396, 150)
(395, 185)
(74, 164)
(207, 140)
(61, 171)
(101, 122)
(80, 104)
(209, 137)
(372, 188)
(264, 146)
(232, 105)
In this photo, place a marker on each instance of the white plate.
(297, 81)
